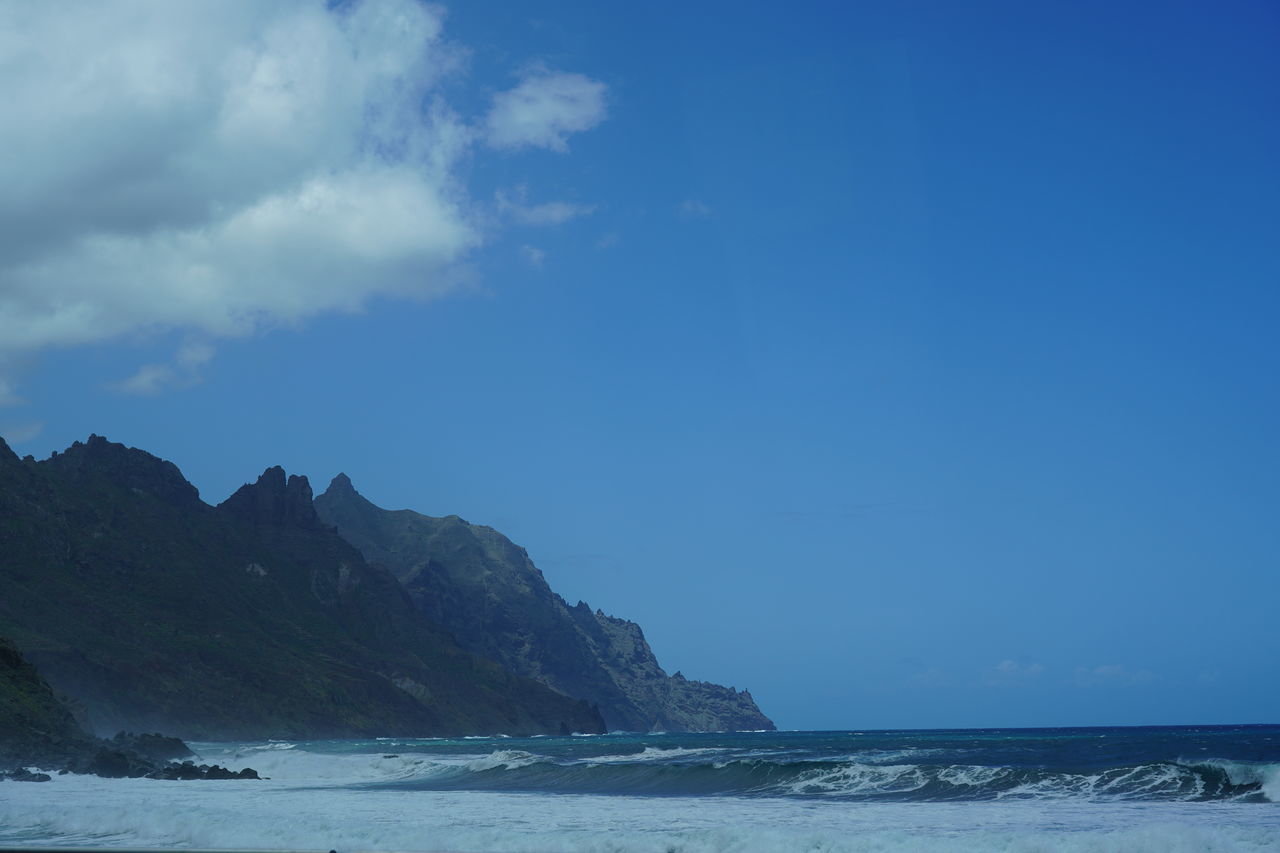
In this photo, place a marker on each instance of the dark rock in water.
(24, 775)
(219, 772)
(157, 747)
(175, 771)
(187, 771)
(116, 764)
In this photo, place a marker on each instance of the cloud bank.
(220, 167)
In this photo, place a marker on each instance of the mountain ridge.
(488, 593)
(251, 619)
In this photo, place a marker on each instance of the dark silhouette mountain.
(252, 619)
(486, 591)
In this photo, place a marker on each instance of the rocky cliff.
(252, 619)
(487, 592)
(35, 728)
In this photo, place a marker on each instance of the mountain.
(252, 619)
(486, 591)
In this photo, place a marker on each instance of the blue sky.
(911, 364)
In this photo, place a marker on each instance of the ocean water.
(1024, 790)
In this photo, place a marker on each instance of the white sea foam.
(892, 756)
(274, 814)
(971, 776)
(302, 767)
(652, 754)
(507, 759)
(852, 779)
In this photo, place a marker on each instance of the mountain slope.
(34, 726)
(251, 619)
(485, 590)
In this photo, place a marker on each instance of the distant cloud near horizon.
(1111, 675)
(1011, 673)
(219, 168)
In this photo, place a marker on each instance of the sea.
(1127, 790)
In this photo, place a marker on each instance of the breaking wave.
(1119, 791)
(678, 772)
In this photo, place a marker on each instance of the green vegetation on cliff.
(33, 723)
(252, 619)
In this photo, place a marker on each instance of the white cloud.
(9, 394)
(1111, 675)
(151, 379)
(22, 432)
(543, 110)
(1012, 673)
(691, 208)
(608, 241)
(927, 678)
(548, 213)
(551, 213)
(533, 256)
(217, 167)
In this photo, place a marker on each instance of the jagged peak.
(341, 484)
(128, 466)
(274, 499)
(6, 452)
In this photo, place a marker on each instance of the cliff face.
(487, 592)
(159, 612)
(34, 726)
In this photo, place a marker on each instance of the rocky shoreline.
(126, 756)
(38, 733)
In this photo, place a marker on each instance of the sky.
(911, 364)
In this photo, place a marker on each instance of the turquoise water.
(1129, 789)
